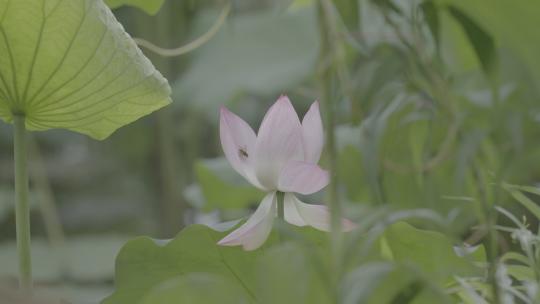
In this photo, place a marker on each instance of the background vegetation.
(436, 114)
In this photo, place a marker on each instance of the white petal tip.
(225, 242)
(283, 98)
(312, 132)
(232, 242)
(223, 110)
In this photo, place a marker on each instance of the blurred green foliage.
(280, 272)
(436, 108)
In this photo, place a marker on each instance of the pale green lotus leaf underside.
(69, 64)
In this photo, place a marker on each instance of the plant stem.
(47, 204)
(171, 180)
(280, 205)
(325, 77)
(22, 209)
(490, 219)
(329, 58)
(280, 198)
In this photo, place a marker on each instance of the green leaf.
(431, 14)
(521, 273)
(349, 12)
(418, 136)
(360, 283)
(150, 271)
(513, 257)
(482, 42)
(455, 48)
(510, 23)
(222, 187)
(530, 189)
(526, 202)
(429, 251)
(143, 264)
(401, 285)
(515, 191)
(71, 65)
(301, 3)
(194, 288)
(286, 274)
(149, 6)
(388, 5)
(351, 174)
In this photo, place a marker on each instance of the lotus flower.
(283, 156)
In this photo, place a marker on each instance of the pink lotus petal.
(302, 177)
(238, 141)
(291, 213)
(252, 234)
(316, 216)
(278, 142)
(312, 132)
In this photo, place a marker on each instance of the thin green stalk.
(490, 218)
(22, 208)
(47, 204)
(327, 69)
(193, 45)
(171, 180)
(171, 200)
(280, 205)
(280, 197)
(325, 78)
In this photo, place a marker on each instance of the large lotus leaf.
(290, 273)
(143, 264)
(150, 271)
(194, 288)
(149, 6)
(283, 274)
(70, 64)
